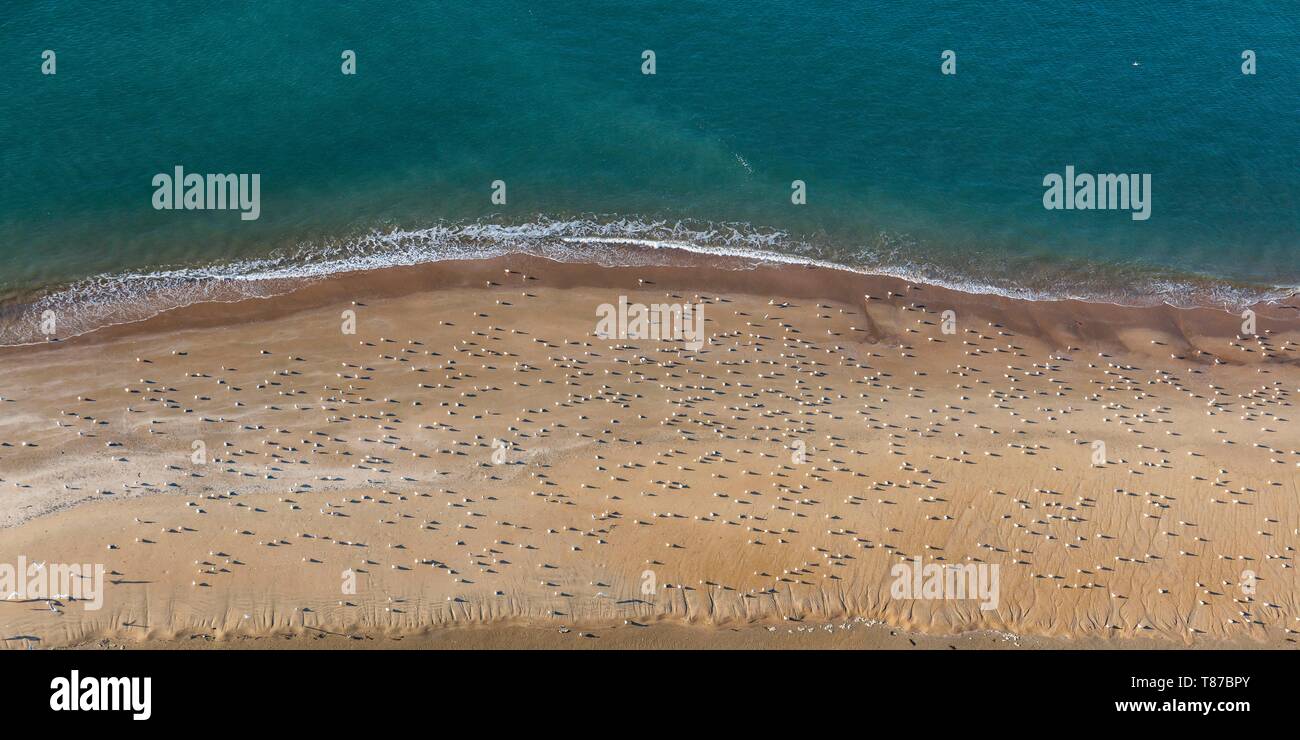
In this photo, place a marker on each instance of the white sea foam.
(106, 300)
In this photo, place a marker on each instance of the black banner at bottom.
(303, 689)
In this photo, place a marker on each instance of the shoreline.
(795, 353)
(226, 284)
(732, 273)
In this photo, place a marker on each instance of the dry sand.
(646, 494)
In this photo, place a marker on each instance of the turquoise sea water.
(907, 170)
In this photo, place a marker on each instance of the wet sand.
(473, 460)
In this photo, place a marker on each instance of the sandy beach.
(472, 459)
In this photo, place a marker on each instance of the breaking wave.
(112, 299)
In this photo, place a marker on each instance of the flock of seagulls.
(473, 455)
